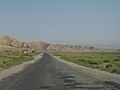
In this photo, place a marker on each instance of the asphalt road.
(51, 74)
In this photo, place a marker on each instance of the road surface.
(51, 74)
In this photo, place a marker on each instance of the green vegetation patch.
(107, 61)
(8, 59)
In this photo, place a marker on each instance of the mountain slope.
(7, 43)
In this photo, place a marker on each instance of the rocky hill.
(7, 43)
(7, 40)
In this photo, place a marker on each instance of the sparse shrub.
(108, 61)
(116, 59)
(109, 66)
(8, 59)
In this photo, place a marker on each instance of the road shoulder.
(16, 69)
(94, 73)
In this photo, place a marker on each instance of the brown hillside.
(7, 43)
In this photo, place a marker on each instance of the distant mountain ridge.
(7, 43)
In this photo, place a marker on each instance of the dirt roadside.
(94, 73)
(16, 69)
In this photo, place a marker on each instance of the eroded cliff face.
(7, 40)
(69, 48)
(7, 43)
(40, 46)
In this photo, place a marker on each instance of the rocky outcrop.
(69, 48)
(7, 40)
(7, 48)
(39, 46)
(9, 44)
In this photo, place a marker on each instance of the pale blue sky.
(89, 22)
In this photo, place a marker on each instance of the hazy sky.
(90, 22)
